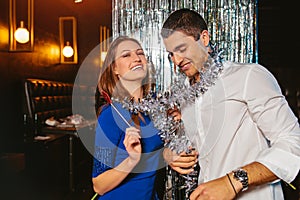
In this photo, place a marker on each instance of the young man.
(246, 135)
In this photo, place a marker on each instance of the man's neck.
(194, 79)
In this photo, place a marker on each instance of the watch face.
(242, 176)
(240, 173)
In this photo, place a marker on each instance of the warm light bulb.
(103, 55)
(68, 51)
(22, 34)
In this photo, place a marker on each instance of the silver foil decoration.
(157, 104)
(231, 23)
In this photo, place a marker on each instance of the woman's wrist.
(132, 162)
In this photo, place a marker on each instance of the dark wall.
(273, 52)
(276, 45)
(42, 62)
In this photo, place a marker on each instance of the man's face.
(189, 55)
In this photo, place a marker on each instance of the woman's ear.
(115, 71)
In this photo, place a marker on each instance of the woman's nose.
(136, 56)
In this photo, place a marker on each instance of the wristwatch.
(242, 176)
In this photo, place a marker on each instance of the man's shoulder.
(241, 68)
(234, 71)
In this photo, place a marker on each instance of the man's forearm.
(258, 174)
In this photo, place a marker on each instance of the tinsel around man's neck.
(157, 104)
(208, 75)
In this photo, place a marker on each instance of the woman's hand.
(183, 163)
(133, 144)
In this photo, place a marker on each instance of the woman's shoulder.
(106, 120)
(105, 109)
(105, 113)
(114, 114)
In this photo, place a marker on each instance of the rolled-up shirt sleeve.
(275, 119)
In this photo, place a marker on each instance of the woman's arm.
(111, 178)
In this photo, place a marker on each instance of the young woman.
(127, 156)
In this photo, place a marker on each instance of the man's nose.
(177, 58)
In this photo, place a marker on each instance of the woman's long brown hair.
(108, 80)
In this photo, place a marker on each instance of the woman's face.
(130, 61)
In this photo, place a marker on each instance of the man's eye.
(181, 50)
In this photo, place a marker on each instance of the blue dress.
(141, 183)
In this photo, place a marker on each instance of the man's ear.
(204, 37)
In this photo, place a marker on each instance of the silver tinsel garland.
(232, 25)
(157, 104)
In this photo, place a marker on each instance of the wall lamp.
(22, 34)
(68, 40)
(104, 42)
(21, 38)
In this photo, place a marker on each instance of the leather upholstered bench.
(61, 154)
(45, 99)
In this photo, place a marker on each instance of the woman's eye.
(125, 55)
(140, 53)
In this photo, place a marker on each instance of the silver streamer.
(232, 25)
(157, 104)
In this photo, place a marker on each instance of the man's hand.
(183, 163)
(175, 113)
(220, 189)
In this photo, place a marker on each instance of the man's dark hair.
(186, 21)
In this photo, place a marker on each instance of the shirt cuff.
(283, 164)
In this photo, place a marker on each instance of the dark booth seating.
(45, 99)
(58, 152)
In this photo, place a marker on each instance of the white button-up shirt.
(241, 119)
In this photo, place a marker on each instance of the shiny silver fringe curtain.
(231, 23)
